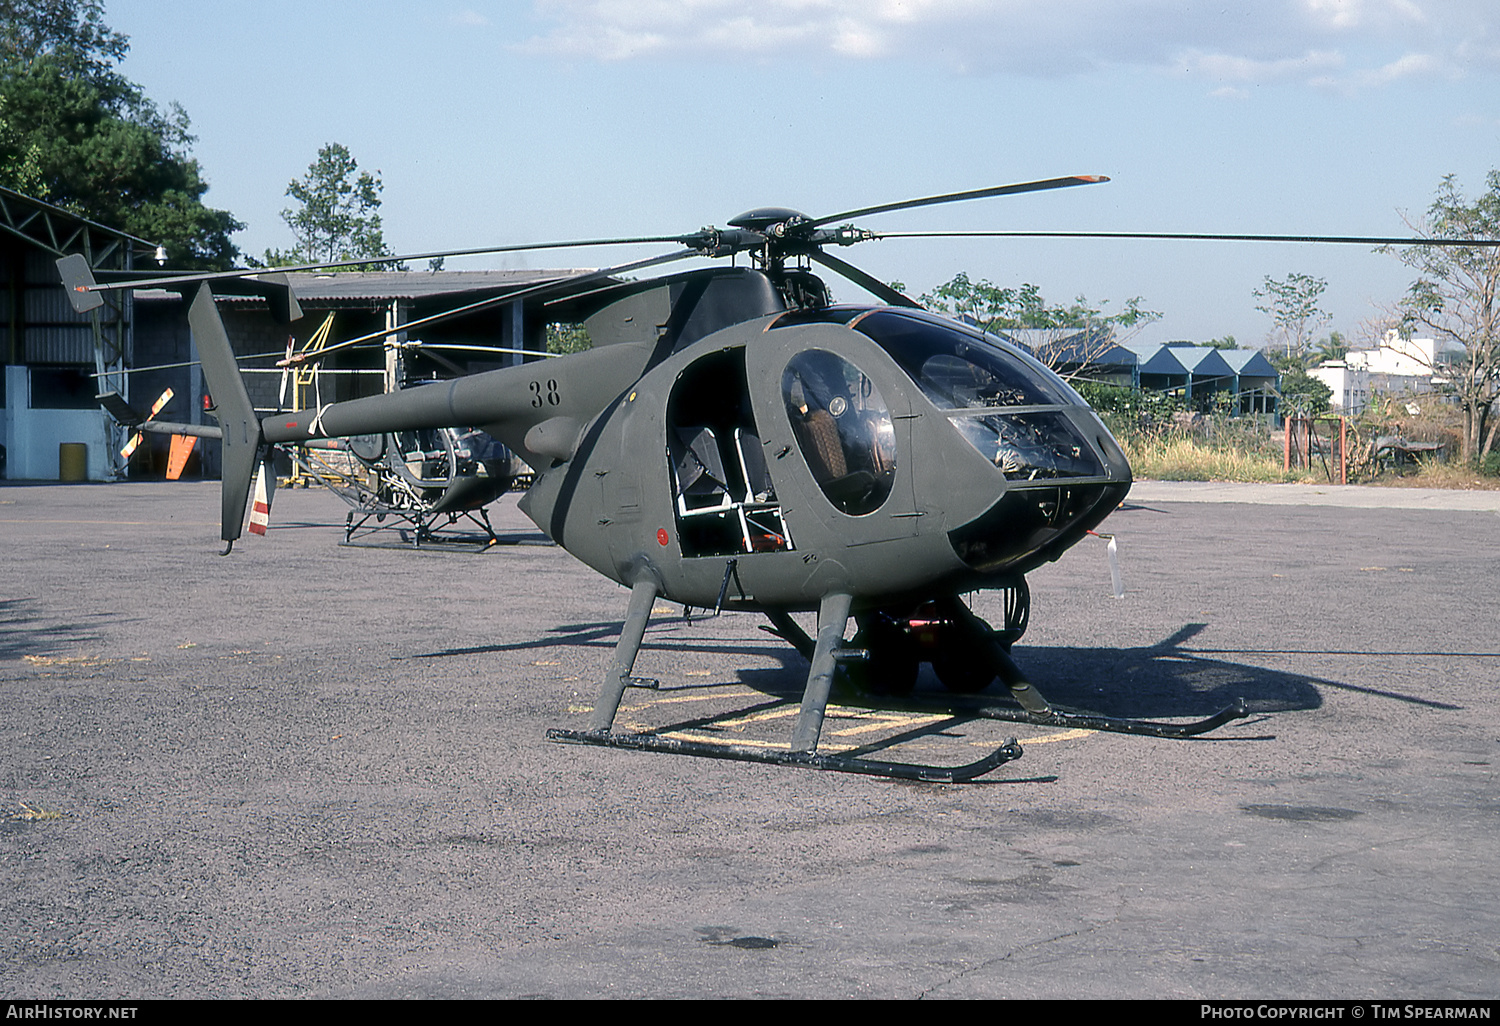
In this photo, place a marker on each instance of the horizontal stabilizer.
(119, 409)
(278, 294)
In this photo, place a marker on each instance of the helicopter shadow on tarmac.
(1162, 680)
(25, 632)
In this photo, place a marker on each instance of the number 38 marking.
(550, 397)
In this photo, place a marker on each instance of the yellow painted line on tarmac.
(888, 723)
(1067, 735)
(762, 717)
(679, 699)
(683, 735)
(112, 523)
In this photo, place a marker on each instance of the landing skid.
(781, 757)
(416, 528)
(1086, 721)
(825, 652)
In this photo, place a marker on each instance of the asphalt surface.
(308, 770)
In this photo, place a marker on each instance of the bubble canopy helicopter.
(734, 440)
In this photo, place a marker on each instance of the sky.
(497, 123)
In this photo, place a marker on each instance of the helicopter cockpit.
(1003, 401)
(844, 429)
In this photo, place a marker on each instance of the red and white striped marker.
(260, 509)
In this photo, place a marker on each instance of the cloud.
(1360, 14)
(468, 19)
(1345, 44)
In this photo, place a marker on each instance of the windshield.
(962, 370)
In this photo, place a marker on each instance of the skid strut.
(833, 618)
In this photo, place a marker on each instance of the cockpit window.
(843, 429)
(1034, 446)
(959, 370)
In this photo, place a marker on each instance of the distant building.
(1408, 357)
(52, 360)
(1350, 385)
(496, 333)
(1194, 372)
(1256, 381)
(1398, 366)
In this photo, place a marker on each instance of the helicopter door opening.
(725, 502)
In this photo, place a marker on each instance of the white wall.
(1351, 386)
(31, 437)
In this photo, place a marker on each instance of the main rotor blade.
(531, 292)
(1356, 240)
(956, 197)
(873, 285)
(168, 278)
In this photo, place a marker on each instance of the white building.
(1350, 384)
(1408, 357)
(1400, 365)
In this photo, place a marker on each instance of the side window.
(843, 429)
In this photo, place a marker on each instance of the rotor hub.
(767, 219)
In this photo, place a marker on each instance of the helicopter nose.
(1031, 525)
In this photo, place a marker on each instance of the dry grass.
(29, 814)
(1242, 449)
(1440, 475)
(1185, 458)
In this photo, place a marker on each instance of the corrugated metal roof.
(1249, 363)
(1202, 360)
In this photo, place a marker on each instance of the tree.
(20, 160)
(1455, 299)
(567, 338)
(72, 31)
(76, 132)
(338, 218)
(1292, 305)
(1334, 347)
(1073, 334)
(1303, 394)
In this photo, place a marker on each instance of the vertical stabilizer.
(237, 420)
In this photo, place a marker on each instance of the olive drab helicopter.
(734, 440)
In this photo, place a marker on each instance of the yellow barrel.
(73, 461)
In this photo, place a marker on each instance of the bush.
(1132, 403)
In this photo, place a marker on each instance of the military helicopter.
(421, 481)
(734, 440)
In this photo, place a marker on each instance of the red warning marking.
(661, 536)
(260, 509)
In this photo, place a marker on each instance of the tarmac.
(1347, 496)
(318, 771)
